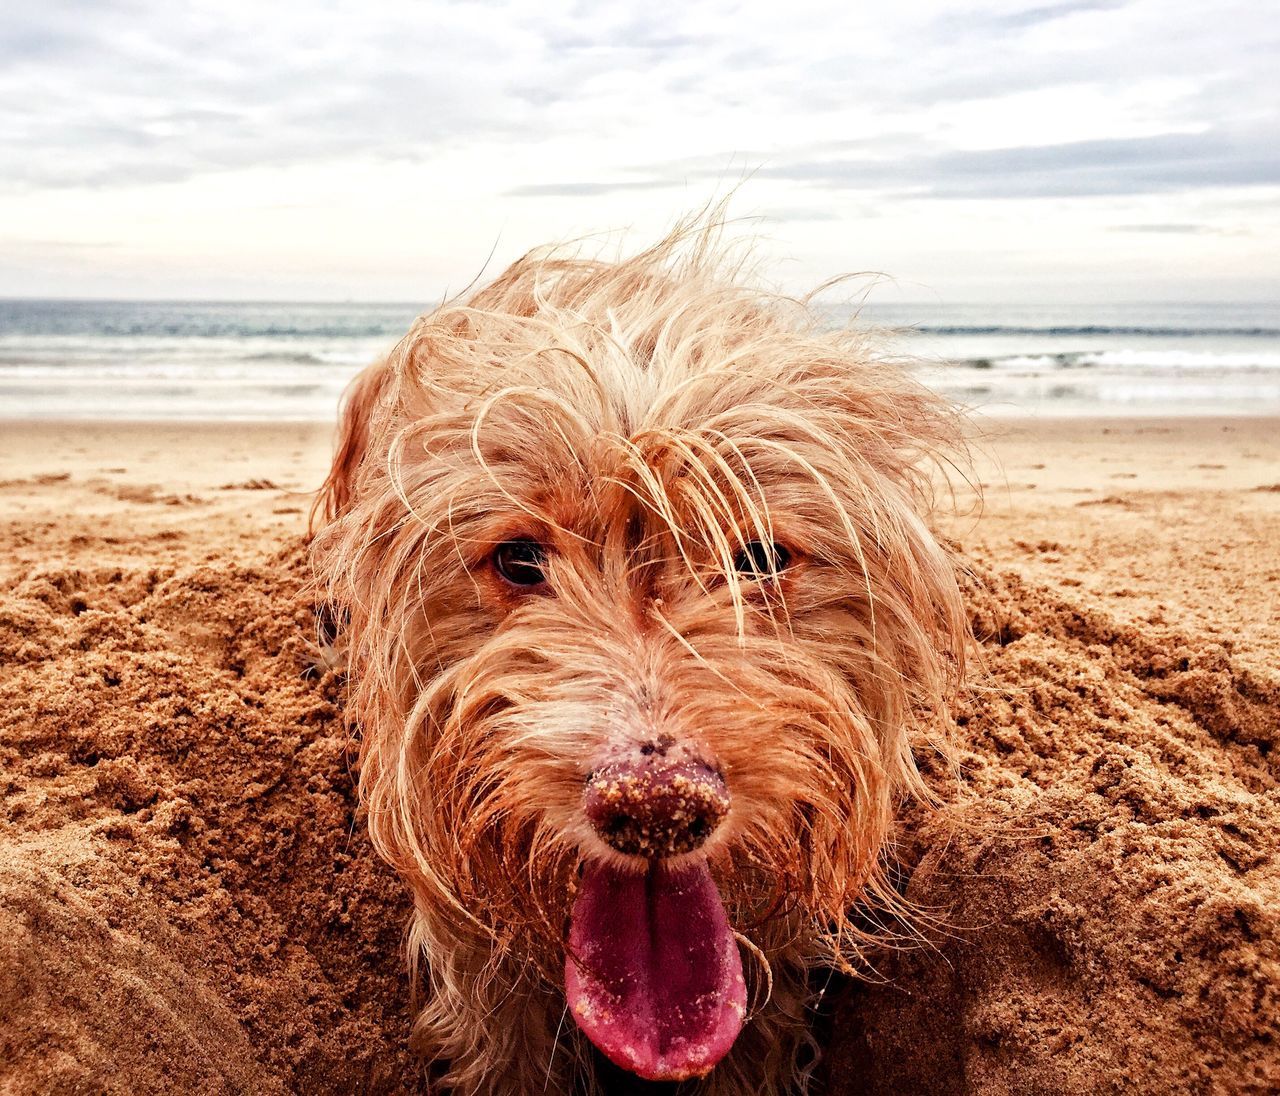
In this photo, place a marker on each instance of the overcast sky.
(1084, 149)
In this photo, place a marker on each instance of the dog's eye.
(759, 560)
(521, 562)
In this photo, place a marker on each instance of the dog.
(645, 628)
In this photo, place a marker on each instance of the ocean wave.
(246, 331)
(204, 319)
(198, 372)
(1096, 330)
(1135, 360)
(293, 357)
(90, 356)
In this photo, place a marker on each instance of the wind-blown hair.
(648, 420)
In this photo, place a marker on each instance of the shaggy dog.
(645, 626)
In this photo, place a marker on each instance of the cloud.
(585, 190)
(798, 215)
(126, 93)
(1144, 165)
(1166, 229)
(1046, 13)
(131, 91)
(1122, 166)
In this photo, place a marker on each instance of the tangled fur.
(646, 420)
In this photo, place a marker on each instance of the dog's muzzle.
(653, 975)
(656, 808)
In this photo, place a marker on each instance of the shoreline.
(1021, 416)
(1011, 414)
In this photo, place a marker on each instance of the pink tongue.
(653, 974)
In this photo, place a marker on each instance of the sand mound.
(1114, 900)
(188, 901)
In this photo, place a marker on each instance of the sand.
(188, 901)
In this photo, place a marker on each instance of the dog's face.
(644, 624)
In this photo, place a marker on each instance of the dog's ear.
(359, 403)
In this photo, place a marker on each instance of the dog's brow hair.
(482, 461)
(855, 539)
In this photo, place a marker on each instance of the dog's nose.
(656, 808)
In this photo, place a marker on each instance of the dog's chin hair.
(646, 420)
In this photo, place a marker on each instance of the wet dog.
(646, 626)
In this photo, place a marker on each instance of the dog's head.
(645, 622)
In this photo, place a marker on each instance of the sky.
(1084, 150)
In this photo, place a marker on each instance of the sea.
(201, 360)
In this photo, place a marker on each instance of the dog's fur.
(644, 419)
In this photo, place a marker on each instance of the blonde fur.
(645, 419)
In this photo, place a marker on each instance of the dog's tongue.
(653, 974)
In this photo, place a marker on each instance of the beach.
(188, 901)
(1173, 515)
